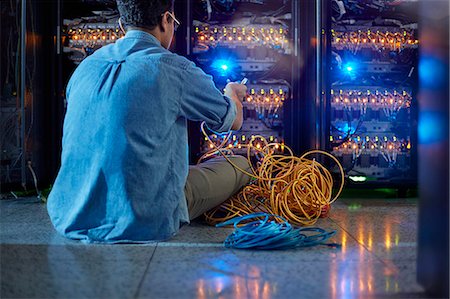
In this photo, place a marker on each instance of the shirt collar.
(140, 34)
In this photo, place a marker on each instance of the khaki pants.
(212, 182)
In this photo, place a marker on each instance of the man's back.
(124, 160)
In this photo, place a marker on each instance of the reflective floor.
(377, 260)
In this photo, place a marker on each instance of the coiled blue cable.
(268, 234)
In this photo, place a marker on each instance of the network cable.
(296, 188)
(260, 231)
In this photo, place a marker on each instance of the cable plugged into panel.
(381, 39)
(210, 36)
(263, 115)
(82, 37)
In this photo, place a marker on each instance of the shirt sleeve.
(202, 101)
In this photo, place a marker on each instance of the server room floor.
(377, 260)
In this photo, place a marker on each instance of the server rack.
(31, 106)
(232, 40)
(371, 89)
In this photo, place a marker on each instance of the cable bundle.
(295, 188)
(260, 232)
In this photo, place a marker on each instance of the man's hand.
(237, 93)
(237, 90)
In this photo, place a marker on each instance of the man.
(124, 165)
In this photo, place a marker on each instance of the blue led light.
(223, 67)
(349, 67)
(346, 128)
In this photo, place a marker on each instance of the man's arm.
(202, 101)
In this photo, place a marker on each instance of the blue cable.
(259, 232)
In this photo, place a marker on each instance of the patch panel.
(373, 103)
(208, 37)
(378, 39)
(363, 155)
(267, 102)
(94, 35)
(82, 38)
(238, 142)
(263, 115)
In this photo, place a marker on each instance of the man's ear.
(165, 22)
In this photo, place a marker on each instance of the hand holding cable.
(237, 93)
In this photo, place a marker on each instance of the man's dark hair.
(143, 13)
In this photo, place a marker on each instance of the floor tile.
(197, 232)
(389, 231)
(28, 223)
(10, 206)
(222, 273)
(27, 213)
(36, 233)
(78, 251)
(73, 271)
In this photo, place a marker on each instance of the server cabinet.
(232, 40)
(371, 91)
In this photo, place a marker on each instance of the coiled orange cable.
(296, 188)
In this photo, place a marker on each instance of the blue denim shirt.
(124, 160)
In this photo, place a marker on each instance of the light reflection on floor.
(239, 287)
(361, 267)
